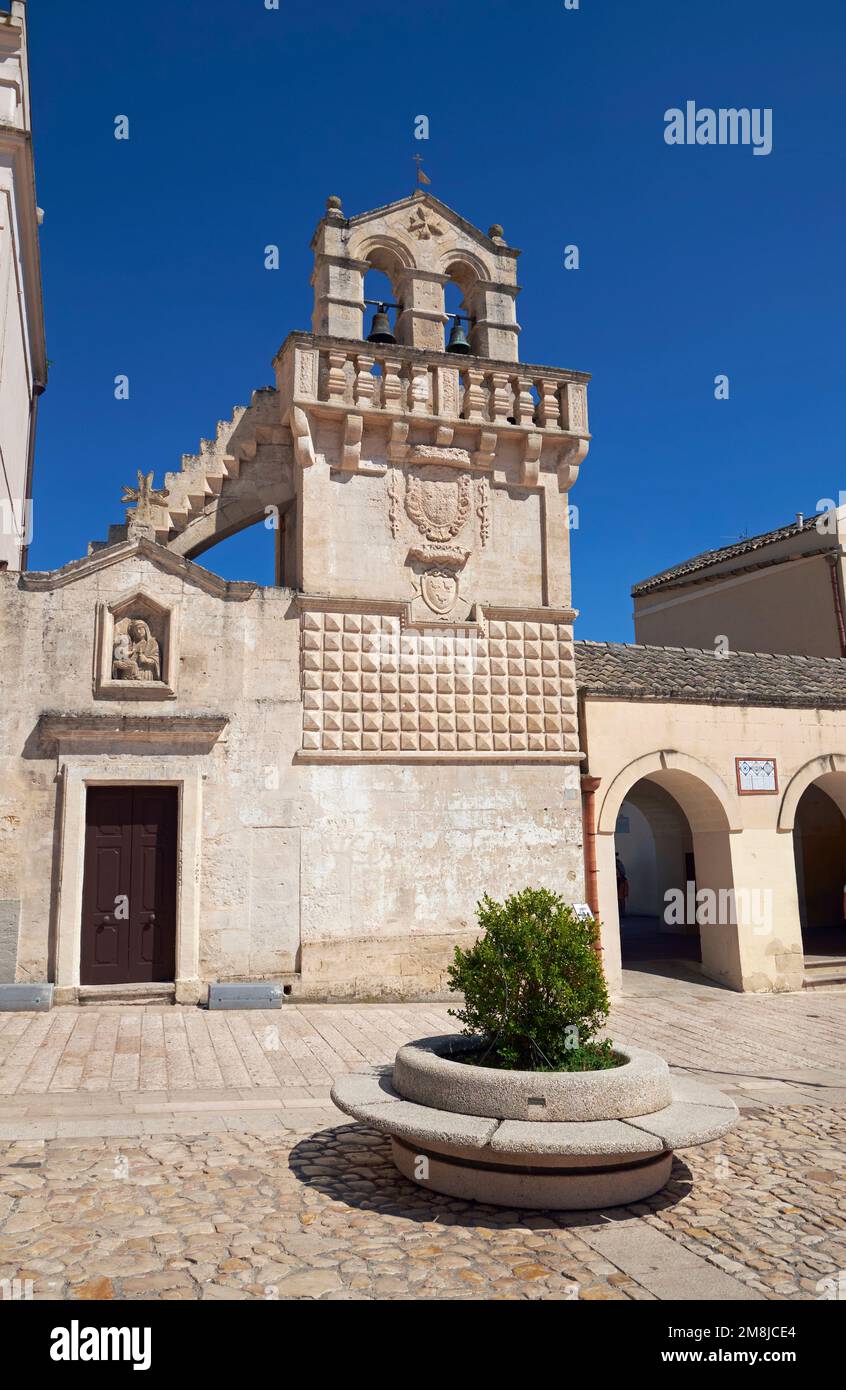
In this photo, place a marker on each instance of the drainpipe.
(834, 562)
(590, 786)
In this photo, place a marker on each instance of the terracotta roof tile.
(747, 546)
(692, 675)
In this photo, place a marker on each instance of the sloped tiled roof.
(696, 676)
(747, 546)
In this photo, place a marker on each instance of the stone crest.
(438, 502)
(439, 590)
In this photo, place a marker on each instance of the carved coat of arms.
(438, 502)
(439, 589)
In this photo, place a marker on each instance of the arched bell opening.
(383, 295)
(459, 308)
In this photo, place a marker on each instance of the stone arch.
(701, 793)
(464, 271)
(712, 816)
(464, 268)
(826, 771)
(242, 503)
(386, 253)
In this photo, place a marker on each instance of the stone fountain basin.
(554, 1140)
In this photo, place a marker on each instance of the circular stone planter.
(559, 1140)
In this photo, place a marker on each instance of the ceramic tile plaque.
(756, 776)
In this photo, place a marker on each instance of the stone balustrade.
(397, 380)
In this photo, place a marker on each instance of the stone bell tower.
(488, 446)
(415, 664)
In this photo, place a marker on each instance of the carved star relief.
(423, 225)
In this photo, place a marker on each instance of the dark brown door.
(129, 892)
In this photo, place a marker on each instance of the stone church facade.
(314, 782)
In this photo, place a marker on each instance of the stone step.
(127, 994)
(825, 979)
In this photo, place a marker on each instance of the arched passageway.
(680, 874)
(819, 843)
(657, 879)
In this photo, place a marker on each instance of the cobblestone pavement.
(325, 1215)
(172, 1153)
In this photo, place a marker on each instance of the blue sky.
(694, 261)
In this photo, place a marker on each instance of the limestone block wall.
(346, 877)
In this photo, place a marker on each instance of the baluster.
(548, 413)
(392, 391)
(524, 401)
(475, 398)
(365, 381)
(336, 379)
(500, 397)
(418, 391)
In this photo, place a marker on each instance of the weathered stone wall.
(351, 879)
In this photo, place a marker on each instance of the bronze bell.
(458, 340)
(380, 329)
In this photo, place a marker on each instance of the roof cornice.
(42, 581)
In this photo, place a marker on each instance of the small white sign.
(756, 775)
(582, 911)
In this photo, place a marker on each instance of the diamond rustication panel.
(370, 687)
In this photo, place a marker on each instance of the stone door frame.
(75, 777)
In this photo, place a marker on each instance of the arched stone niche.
(136, 649)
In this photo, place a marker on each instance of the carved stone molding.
(531, 459)
(570, 460)
(438, 453)
(397, 441)
(301, 431)
(351, 450)
(483, 509)
(448, 555)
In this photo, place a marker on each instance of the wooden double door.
(129, 887)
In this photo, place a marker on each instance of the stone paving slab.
(657, 1263)
(747, 1045)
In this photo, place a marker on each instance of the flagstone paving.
(173, 1153)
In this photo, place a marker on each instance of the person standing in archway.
(623, 885)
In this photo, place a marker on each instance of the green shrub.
(533, 987)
